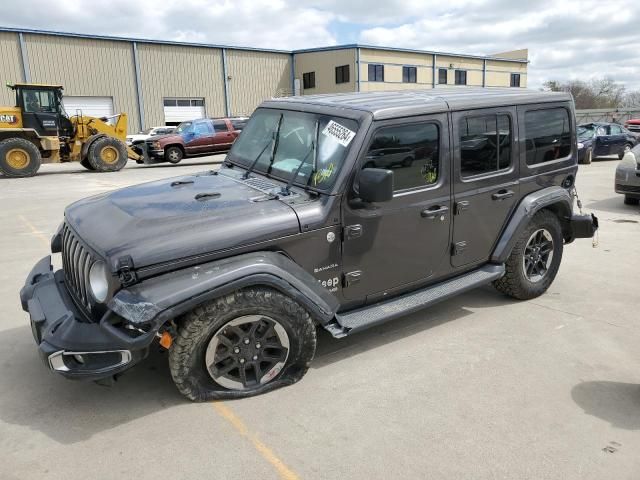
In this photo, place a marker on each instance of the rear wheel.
(246, 343)
(535, 259)
(173, 154)
(19, 158)
(631, 200)
(107, 154)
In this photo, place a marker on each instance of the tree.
(598, 93)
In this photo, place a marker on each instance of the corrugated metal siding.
(324, 64)
(86, 67)
(176, 71)
(11, 66)
(255, 77)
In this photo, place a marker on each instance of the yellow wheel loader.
(38, 130)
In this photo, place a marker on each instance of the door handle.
(502, 195)
(433, 212)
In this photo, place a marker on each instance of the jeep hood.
(178, 217)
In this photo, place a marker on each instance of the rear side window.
(547, 135)
(411, 151)
(219, 126)
(202, 128)
(238, 124)
(485, 144)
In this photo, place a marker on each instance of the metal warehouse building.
(157, 82)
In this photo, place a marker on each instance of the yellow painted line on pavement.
(34, 231)
(226, 413)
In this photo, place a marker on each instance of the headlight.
(580, 146)
(629, 160)
(99, 281)
(156, 145)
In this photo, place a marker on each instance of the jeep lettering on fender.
(323, 215)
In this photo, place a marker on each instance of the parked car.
(196, 137)
(140, 137)
(600, 139)
(633, 125)
(233, 270)
(628, 176)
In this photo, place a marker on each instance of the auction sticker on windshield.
(339, 132)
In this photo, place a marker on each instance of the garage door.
(178, 110)
(91, 106)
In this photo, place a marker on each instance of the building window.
(376, 73)
(485, 144)
(342, 74)
(411, 150)
(183, 102)
(515, 79)
(309, 80)
(442, 76)
(461, 77)
(547, 135)
(409, 74)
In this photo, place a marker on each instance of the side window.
(219, 126)
(202, 128)
(39, 101)
(485, 144)
(616, 130)
(547, 135)
(411, 151)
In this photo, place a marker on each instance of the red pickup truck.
(195, 137)
(633, 125)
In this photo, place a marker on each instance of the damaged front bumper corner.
(68, 342)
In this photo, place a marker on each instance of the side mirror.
(376, 185)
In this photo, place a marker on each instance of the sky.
(567, 39)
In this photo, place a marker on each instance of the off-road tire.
(514, 282)
(631, 200)
(173, 155)
(196, 329)
(107, 163)
(588, 157)
(85, 163)
(25, 158)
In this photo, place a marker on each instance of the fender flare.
(159, 299)
(85, 146)
(556, 199)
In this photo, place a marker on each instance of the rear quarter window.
(547, 135)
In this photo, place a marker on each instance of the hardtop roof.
(391, 104)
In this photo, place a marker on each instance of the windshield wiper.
(276, 142)
(272, 143)
(286, 190)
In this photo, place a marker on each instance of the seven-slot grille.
(76, 262)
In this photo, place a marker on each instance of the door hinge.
(461, 206)
(352, 231)
(458, 248)
(126, 274)
(351, 278)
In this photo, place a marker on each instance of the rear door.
(224, 137)
(618, 140)
(485, 181)
(389, 246)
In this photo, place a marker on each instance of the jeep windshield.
(286, 138)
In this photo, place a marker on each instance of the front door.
(618, 140)
(390, 245)
(485, 182)
(40, 110)
(602, 141)
(201, 137)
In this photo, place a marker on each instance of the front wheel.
(626, 148)
(173, 155)
(535, 259)
(19, 158)
(246, 343)
(107, 154)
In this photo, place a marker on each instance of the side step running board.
(356, 320)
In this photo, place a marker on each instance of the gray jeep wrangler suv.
(307, 225)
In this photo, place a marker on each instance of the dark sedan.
(600, 139)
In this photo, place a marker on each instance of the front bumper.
(69, 343)
(627, 180)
